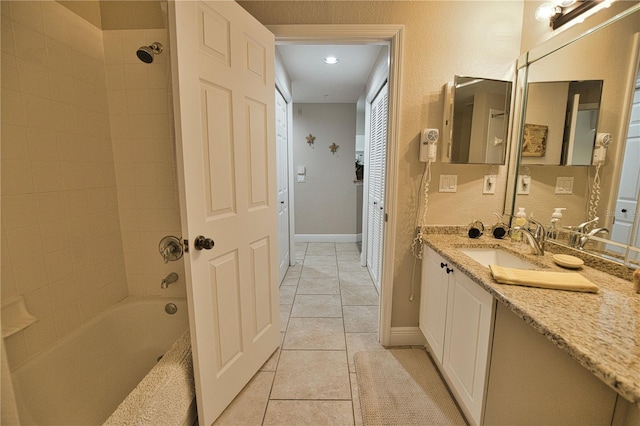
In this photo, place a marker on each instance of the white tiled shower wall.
(79, 229)
(141, 117)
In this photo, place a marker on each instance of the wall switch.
(489, 184)
(302, 178)
(448, 183)
(564, 185)
(524, 184)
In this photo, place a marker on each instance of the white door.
(376, 183)
(629, 190)
(225, 137)
(282, 167)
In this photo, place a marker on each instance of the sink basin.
(486, 256)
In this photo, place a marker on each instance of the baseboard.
(406, 336)
(327, 238)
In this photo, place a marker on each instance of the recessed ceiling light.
(331, 60)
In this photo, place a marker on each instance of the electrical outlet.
(524, 185)
(489, 184)
(448, 183)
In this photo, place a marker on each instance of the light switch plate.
(564, 185)
(489, 184)
(448, 183)
(301, 178)
(524, 185)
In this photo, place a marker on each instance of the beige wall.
(535, 33)
(326, 202)
(441, 38)
(119, 15)
(61, 244)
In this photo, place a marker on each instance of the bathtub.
(85, 376)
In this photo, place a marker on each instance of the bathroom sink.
(493, 256)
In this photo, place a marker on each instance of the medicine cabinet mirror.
(599, 69)
(561, 121)
(476, 120)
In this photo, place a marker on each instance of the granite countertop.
(599, 330)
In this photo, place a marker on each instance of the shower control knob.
(203, 243)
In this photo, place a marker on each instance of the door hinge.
(386, 217)
(185, 244)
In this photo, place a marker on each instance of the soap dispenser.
(556, 222)
(521, 221)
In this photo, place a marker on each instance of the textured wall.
(441, 39)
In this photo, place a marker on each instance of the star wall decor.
(333, 147)
(310, 139)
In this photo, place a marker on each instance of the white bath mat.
(402, 387)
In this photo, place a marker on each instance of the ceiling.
(313, 81)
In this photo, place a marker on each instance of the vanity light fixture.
(331, 60)
(560, 12)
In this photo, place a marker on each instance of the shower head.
(146, 53)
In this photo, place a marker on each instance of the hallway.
(328, 311)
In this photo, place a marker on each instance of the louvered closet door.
(376, 174)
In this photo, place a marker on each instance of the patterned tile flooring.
(328, 312)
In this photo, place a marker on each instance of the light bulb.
(546, 11)
(331, 60)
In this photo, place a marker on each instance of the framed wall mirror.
(477, 112)
(596, 95)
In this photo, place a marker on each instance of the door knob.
(203, 243)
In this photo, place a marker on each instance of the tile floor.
(328, 311)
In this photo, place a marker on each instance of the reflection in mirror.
(561, 122)
(602, 64)
(481, 109)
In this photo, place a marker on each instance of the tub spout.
(171, 278)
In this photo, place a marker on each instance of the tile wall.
(89, 181)
(141, 116)
(61, 241)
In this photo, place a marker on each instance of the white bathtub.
(83, 378)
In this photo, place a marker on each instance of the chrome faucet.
(585, 238)
(171, 278)
(536, 238)
(578, 233)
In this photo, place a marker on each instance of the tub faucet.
(171, 278)
(585, 238)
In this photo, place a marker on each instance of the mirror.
(597, 73)
(479, 110)
(561, 121)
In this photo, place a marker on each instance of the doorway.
(389, 35)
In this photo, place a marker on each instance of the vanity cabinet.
(456, 317)
(433, 301)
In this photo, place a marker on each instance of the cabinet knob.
(442, 265)
(449, 270)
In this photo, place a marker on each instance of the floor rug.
(403, 387)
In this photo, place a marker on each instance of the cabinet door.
(433, 301)
(467, 337)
